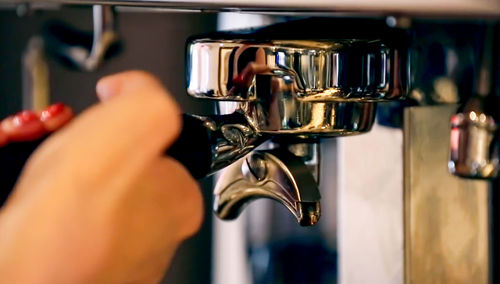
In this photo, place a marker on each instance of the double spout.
(275, 174)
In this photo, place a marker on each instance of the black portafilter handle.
(193, 149)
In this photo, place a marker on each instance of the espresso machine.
(373, 128)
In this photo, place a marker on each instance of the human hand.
(97, 202)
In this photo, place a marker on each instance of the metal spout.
(275, 174)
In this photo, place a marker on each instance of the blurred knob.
(474, 141)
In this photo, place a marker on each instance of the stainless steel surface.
(311, 154)
(470, 8)
(341, 70)
(232, 137)
(104, 36)
(284, 116)
(275, 174)
(296, 87)
(446, 218)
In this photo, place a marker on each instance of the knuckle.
(161, 107)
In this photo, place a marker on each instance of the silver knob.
(474, 142)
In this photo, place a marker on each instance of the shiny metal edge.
(275, 174)
(468, 8)
(314, 70)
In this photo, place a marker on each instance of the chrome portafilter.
(292, 88)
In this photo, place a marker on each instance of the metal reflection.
(317, 70)
(275, 174)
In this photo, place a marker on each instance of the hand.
(97, 202)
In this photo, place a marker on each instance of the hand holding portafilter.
(101, 191)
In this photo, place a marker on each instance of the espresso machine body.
(368, 133)
(392, 190)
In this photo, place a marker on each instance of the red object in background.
(3, 138)
(30, 125)
(52, 111)
(24, 117)
(23, 126)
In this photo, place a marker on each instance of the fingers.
(168, 199)
(116, 139)
(177, 190)
(126, 83)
